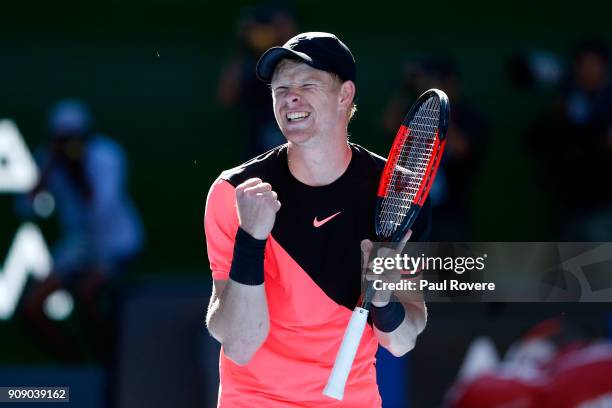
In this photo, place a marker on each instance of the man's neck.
(319, 164)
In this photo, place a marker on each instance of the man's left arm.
(398, 320)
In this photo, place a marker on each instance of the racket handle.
(346, 354)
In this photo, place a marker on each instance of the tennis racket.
(404, 185)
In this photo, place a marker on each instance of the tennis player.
(283, 234)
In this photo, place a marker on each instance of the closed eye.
(280, 89)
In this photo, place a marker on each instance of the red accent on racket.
(385, 179)
(412, 165)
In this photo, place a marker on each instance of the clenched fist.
(257, 207)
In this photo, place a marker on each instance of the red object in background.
(498, 390)
(577, 377)
(581, 379)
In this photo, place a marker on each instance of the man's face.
(306, 101)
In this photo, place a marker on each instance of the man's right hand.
(257, 207)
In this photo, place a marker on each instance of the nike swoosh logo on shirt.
(316, 223)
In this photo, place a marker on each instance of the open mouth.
(297, 116)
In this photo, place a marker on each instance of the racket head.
(412, 165)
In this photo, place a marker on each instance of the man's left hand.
(382, 297)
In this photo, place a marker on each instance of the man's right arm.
(238, 310)
(238, 318)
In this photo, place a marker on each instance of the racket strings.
(410, 166)
(416, 153)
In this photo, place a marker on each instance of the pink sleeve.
(220, 226)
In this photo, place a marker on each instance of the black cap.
(322, 51)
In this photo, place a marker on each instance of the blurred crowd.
(571, 144)
(83, 183)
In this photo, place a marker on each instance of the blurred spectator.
(259, 29)
(535, 69)
(100, 230)
(572, 144)
(466, 139)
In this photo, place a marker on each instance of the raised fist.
(257, 207)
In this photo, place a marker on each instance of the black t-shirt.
(322, 227)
